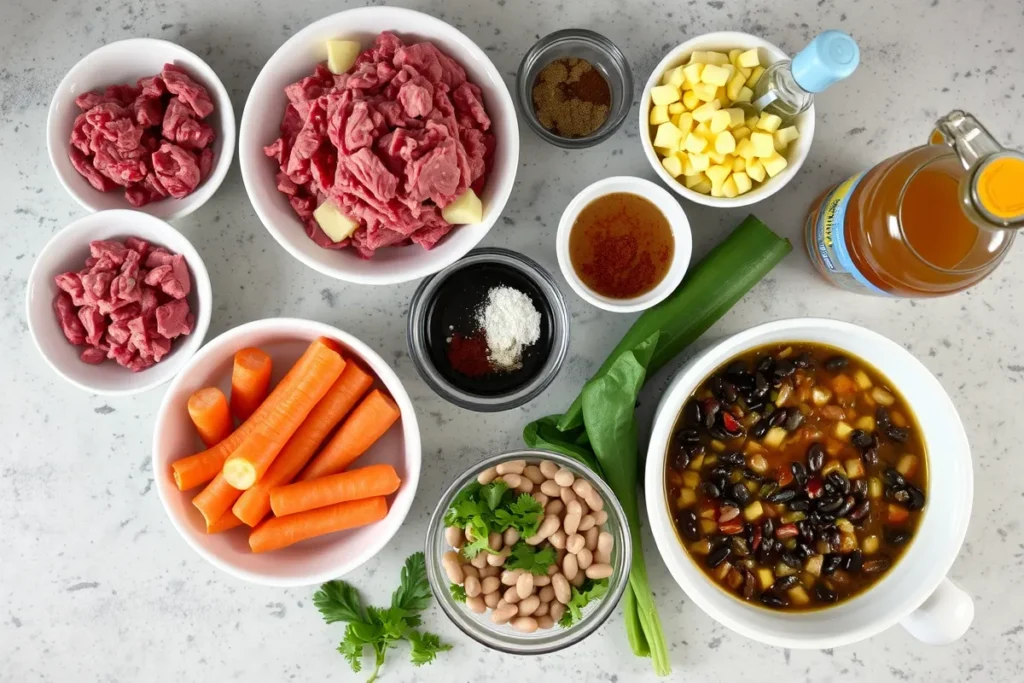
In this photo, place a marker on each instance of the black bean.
(729, 393)
(836, 363)
(687, 525)
(896, 536)
(710, 490)
(783, 368)
(831, 563)
(803, 550)
(830, 504)
(853, 561)
(720, 471)
(751, 475)
(807, 533)
(767, 489)
(754, 403)
(785, 583)
(764, 553)
(832, 537)
(799, 473)
(717, 431)
(814, 519)
(765, 365)
(694, 413)
(718, 556)
(876, 565)
(825, 594)
(749, 584)
(860, 438)
(803, 360)
(839, 481)
(860, 511)
(848, 504)
(794, 419)
(773, 600)
(740, 546)
(680, 458)
(790, 558)
(815, 457)
(715, 385)
(916, 501)
(899, 434)
(733, 458)
(870, 456)
(760, 428)
(744, 383)
(737, 367)
(799, 505)
(695, 449)
(901, 496)
(777, 418)
(882, 420)
(687, 435)
(768, 528)
(859, 488)
(740, 494)
(761, 385)
(782, 496)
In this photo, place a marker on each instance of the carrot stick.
(208, 409)
(250, 379)
(280, 532)
(193, 470)
(254, 504)
(226, 521)
(365, 482)
(367, 423)
(247, 464)
(216, 499)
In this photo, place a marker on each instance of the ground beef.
(148, 138)
(391, 142)
(128, 303)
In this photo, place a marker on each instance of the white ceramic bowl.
(262, 117)
(126, 61)
(318, 559)
(67, 250)
(723, 41)
(676, 219)
(915, 592)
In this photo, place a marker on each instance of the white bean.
(494, 540)
(489, 585)
(605, 542)
(469, 570)
(582, 487)
(489, 571)
(528, 606)
(472, 586)
(550, 488)
(570, 566)
(599, 571)
(533, 473)
(594, 501)
(452, 566)
(578, 580)
(600, 516)
(525, 624)
(584, 558)
(513, 480)
(491, 599)
(584, 508)
(503, 613)
(561, 587)
(586, 522)
(499, 559)
(542, 580)
(511, 467)
(571, 523)
(575, 543)
(546, 594)
(557, 539)
(510, 536)
(454, 537)
(476, 604)
(552, 570)
(564, 477)
(542, 610)
(510, 576)
(554, 507)
(511, 596)
(591, 535)
(545, 621)
(573, 507)
(487, 476)
(540, 498)
(566, 494)
(480, 561)
(548, 468)
(525, 485)
(524, 585)
(547, 527)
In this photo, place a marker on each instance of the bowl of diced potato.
(702, 139)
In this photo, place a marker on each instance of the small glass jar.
(603, 54)
(504, 637)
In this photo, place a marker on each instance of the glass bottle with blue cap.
(787, 88)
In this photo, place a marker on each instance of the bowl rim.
(59, 243)
(678, 221)
(767, 189)
(410, 432)
(249, 160)
(561, 638)
(884, 617)
(56, 144)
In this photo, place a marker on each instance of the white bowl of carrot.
(286, 452)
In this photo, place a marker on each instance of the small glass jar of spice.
(574, 88)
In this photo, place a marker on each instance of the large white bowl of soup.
(863, 528)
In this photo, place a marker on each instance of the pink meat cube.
(148, 111)
(81, 134)
(161, 347)
(94, 322)
(121, 353)
(128, 311)
(149, 302)
(176, 169)
(178, 83)
(82, 164)
(93, 355)
(69, 322)
(118, 332)
(96, 286)
(151, 87)
(155, 276)
(171, 319)
(115, 251)
(125, 94)
(140, 363)
(178, 284)
(159, 257)
(71, 282)
(138, 244)
(140, 336)
(205, 163)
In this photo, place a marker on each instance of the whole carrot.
(254, 504)
(226, 521)
(365, 482)
(208, 409)
(281, 532)
(216, 499)
(250, 379)
(367, 423)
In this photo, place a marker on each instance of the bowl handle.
(944, 617)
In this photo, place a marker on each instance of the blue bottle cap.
(829, 58)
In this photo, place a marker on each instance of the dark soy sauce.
(453, 309)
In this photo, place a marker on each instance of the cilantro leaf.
(338, 601)
(480, 530)
(425, 647)
(525, 556)
(524, 514)
(413, 593)
(581, 597)
(351, 647)
(458, 593)
(493, 493)
(465, 505)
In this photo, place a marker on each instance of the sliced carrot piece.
(354, 381)
(367, 423)
(365, 482)
(226, 521)
(281, 532)
(208, 409)
(250, 380)
(216, 499)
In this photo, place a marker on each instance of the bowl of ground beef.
(363, 169)
(144, 124)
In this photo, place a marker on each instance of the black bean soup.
(796, 476)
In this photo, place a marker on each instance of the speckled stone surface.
(95, 585)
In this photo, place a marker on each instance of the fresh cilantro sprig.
(492, 508)
(528, 558)
(581, 597)
(458, 593)
(379, 628)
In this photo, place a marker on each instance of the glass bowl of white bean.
(528, 552)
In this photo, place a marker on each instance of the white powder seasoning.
(510, 323)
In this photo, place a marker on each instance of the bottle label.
(828, 240)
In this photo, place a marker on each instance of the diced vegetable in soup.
(796, 475)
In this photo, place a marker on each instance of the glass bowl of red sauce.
(462, 318)
(623, 244)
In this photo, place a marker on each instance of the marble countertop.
(95, 585)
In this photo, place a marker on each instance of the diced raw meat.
(178, 83)
(171, 319)
(129, 311)
(417, 97)
(112, 164)
(140, 363)
(161, 346)
(158, 256)
(96, 286)
(115, 251)
(81, 134)
(148, 111)
(149, 301)
(71, 282)
(118, 332)
(93, 355)
(94, 323)
(151, 87)
(125, 94)
(436, 175)
(81, 163)
(467, 101)
(138, 244)
(176, 169)
(205, 162)
(121, 353)
(69, 322)
(156, 275)
(362, 126)
(177, 113)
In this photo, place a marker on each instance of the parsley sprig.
(493, 507)
(581, 597)
(528, 558)
(382, 628)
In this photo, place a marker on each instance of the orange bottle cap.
(1000, 187)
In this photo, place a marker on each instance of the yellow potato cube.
(698, 57)
(764, 145)
(664, 151)
(751, 123)
(755, 170)
(740, 133)
(716, 58)
(716, 190)
(715, 75)
(700, 162)
(754, 76)
(733, 55)
(703, 130)
(718, 173)
(692, 74)
(736, 83)
(659, 114)
(745, 149)
(704, 112)
(738, 164)
(683, 122)
(769, 123)
(742, 181)
(729, 188)
(334, 223)
(745, 95)
(690, 100)
(674, 77)
(735, 117)
(673, 165)
(704, 187)
(749, 59)
(718, 159)
(676, 108)
(774, 164)
(705, 92)
(784, 136)
(725, 143)
(341, 55)
(745, 71)
(665, 94)
(692, 181)
(668, 135)
(695, 143)
(722, 97)
(688, 169)
(719, 121)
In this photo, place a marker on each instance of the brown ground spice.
(571, 98)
